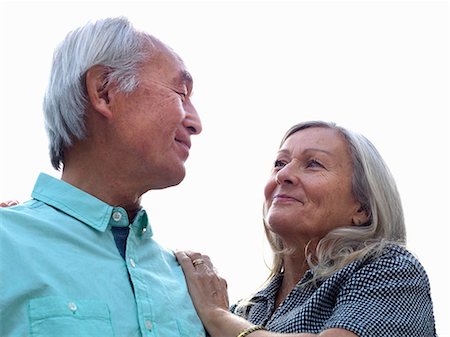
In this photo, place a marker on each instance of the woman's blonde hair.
(375, 189)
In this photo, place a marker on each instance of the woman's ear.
(360, 217)
(99, 89)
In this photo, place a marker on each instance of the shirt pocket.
(56, 316)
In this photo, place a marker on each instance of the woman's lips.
(284, 198)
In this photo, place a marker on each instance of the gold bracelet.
(248, 331)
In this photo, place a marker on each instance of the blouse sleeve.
(388, 297)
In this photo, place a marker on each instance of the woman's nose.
(287, 175)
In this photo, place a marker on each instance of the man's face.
(155, 122)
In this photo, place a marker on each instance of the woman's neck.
(294, 268)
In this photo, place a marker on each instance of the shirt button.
(148, 325)
(72, 307)
(117, 216)
(132, 263)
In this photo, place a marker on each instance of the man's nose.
(192, 121)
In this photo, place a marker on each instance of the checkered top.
(384, 296)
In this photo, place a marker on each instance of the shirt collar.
(81, 205)
(271, 290)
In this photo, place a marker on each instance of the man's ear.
(360, 217)
(99, 89)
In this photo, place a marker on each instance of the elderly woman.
(334, 220)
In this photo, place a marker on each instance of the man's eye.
(182, 95)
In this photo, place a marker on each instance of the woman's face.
(309, 191)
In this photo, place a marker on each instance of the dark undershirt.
(120, 237)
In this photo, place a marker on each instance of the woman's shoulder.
(395, 255)
(394, 262)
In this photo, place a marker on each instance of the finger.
(200, 257)
(9, 203)
(185, 261)
(193, 255)
(199, 261)
(183, 254)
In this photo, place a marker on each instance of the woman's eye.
(279, 164)
(314, 163)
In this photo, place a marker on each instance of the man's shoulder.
(9, 214)
(19, 222)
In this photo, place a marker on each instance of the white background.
(379, 67)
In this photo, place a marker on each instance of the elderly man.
(79, 259)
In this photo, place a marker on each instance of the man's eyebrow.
(186, 77)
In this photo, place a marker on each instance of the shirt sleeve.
(388, 297)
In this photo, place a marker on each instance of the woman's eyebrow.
(310, 149)
(314, 149)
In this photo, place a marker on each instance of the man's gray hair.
(113, 43)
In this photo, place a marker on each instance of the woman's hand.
(210, 297)
(207, 289)
(9, 203)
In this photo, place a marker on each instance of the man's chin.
(174, 179)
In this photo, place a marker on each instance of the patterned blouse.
(384, 296)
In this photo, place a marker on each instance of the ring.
(196, 262)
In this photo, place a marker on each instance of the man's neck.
(112, 190)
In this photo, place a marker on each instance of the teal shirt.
(61, 273)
